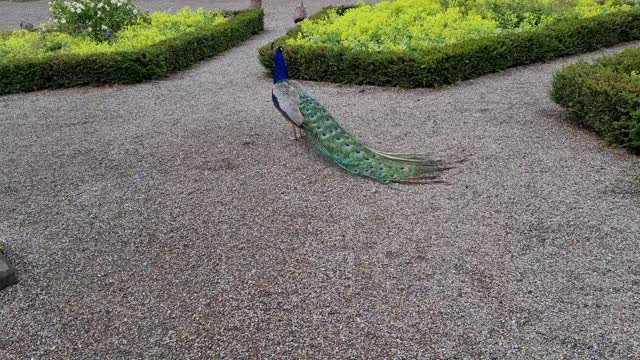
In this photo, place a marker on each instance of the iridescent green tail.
(335, 143)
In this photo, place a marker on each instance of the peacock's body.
(307, 114)
(300, 13)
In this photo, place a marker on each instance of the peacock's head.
(280, 72)
(279, 53)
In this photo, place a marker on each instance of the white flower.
(89, 29)
(78, 11)
(63, 20)
(135, 12)
(104, 28)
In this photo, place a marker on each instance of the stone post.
(7, 274)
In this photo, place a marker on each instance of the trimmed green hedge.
(604, 96)
(456, 62)
(154, 62)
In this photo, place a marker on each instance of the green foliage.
(156, 28)
(95, 18)
(407, 25)
(455, 61)
(143, 51)
(604, 96)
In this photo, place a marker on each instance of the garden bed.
(143, 51)
(448, 46)
(604, 96)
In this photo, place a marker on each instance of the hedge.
(604, 96)
(456, 62)
(153, 62)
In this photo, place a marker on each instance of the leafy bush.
(96, 18)
(404, 25)
(604, 96)
(159, 27)
(457, 48)
(146, 50)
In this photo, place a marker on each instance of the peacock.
(308, 116)
(300, 13)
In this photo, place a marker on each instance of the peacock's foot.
(298, 134)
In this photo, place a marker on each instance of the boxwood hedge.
(456, 62)
(604, 96)
(153, 62)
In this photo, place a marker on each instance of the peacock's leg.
(295, 133)
(298, 133)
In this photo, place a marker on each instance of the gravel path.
(177, 219)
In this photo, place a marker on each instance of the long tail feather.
(336, 144)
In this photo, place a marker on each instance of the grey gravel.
(176, 219)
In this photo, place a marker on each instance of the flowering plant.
(98, 19)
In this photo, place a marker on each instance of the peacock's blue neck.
(280, 73)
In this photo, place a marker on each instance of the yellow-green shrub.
(160, 26)
(539, 32)
(406, 25)
(31, 60)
